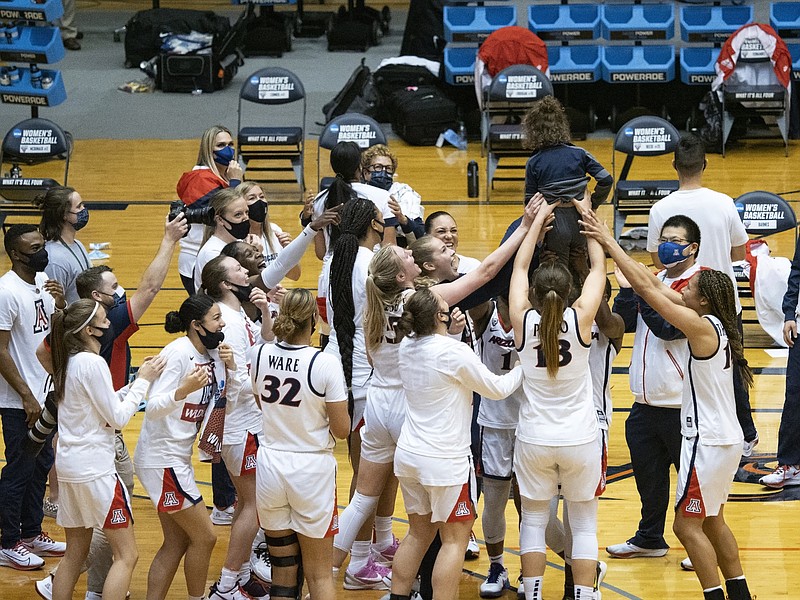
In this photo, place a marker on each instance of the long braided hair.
(551, 286)
(717, 288)
(345, 161)
(356, 218)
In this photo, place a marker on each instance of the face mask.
(241, 292)
(106, 337)
(224, 156)
(382, 231)
(238, 230)
(210, 340)
(257, 211)
(82, 218)
(449, 319)
(381, 179)
(37, 261)
(670, 253)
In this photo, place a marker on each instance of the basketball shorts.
(240, 456)
(170, 489)
(102, 503)
(297, 491)
(384, 414)
(540, 469)
(497, 452)
(705, 477)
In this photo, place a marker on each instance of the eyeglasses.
(674, 240)
(381, 169)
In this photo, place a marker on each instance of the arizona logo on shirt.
(41, 322)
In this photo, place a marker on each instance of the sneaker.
(50, 508)
(371, 576)
(21, 558)
(496, 582)
(222, 517)
(520, 588)
(747, 447)
(260, 564)
(385, 557)
(686, 564)
(628, 550)
(782, 476)
(236, 593)
(256, 588)
(413, 596)
(44, 587)
(473, 550)
(602, 569)
(44, 545)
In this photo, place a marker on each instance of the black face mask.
(238, 230)
(383, 229)
(381, 179)
(211, 340)
(449, 318)
(36, 261)
(257, 211)
(107, 337)
(241, 292)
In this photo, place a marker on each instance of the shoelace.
(44, 537)
(21, 549)
(262, 553)
(495, 571)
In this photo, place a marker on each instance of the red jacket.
(513, 45)
(199, 184)
(773, 45)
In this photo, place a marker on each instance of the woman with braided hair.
(705, 311)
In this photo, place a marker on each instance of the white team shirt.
(171, 426)
(88, 416)
(210, 250)
(294, 384)
(467, 264)
(25, 312)
(560, 411)
(709, 408)
(719, 223)
(601, 357)
(241, 413)
(385, 357)
(361, 367)
(270, 255)
(499, 355)
(439, 376)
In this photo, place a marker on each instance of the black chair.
(274, 139)
(645, 136)
(349, 127)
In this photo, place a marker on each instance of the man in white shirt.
(27, 302)
(724, 239)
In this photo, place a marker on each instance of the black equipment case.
(420, 114)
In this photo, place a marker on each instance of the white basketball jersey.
(386, 356)
(557, 411)
(293, 384)
(499, 355)
(709, 408)
(601, 357)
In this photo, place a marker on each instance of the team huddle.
(440, 370)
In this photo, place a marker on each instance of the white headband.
(89, 320)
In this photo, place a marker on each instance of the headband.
(87, 321)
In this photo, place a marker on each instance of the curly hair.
(546, 124)
(377, 150)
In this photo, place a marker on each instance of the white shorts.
(297, 491)
(240, 457)
(497, 452)
(445, 503)
(170, 489)
(540, 469)
(705, 477)
(102, 503)
(384, 414)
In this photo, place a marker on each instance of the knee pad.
(495, 498)
(535, 515)
(294, 560)
(352, 518)
(583, 524)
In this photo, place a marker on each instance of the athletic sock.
(359, 555)
(737, 588)
(715, 593)
(227, 579)
(244, 572)
(383, 533)
(497, 559)
(583, 592)
(533, 588)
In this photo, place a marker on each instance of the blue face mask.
(671, 253)
(224, 156)
(381, 179)
(82, 218)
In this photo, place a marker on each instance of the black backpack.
(358, 95)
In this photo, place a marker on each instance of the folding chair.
(646, 136)
(273, 142)
(349, 127)
(508, 97)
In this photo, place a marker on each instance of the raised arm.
(593, 288)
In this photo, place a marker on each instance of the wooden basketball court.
(121, 177)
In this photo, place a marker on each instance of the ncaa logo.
(254, 80)
(334, 128)
(118, 517)
(170, 499)
(739, 207)
(694, 506)
(629, 131)
(250, 462)
(17, 133)
(503, 79)
(462, 510)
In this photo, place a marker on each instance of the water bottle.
(12, 33)
(4, 78)
(472, 179)
(462, 135)
(36, 77)
(16, 172)
(13, 75)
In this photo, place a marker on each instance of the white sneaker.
(44, 587)
(747, 447)
(473, 550)
(520, 588)
(782, 476)
(21, 558)
(214, 593)
(371, 576)
(628, 550)
(222, 517)
(260, 564)
(602, 569)
(686, 564)
(44, 545)
(496, 582)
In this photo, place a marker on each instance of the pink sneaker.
(385, 557)
(371, 576)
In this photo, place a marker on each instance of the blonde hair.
(551, 286)
(382, 291)
(266, 227)
(205, 157)
(297, 307)
(377, 150)
(220, 202)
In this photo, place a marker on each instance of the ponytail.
(65, 328)
(551, 287)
